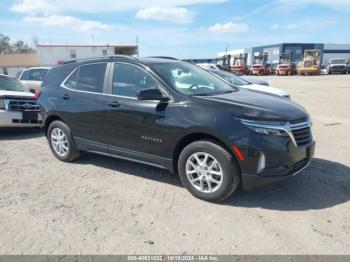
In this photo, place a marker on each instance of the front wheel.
(208, 171)
(61, 142)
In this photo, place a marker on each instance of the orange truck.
(285, 65)
(240, 64)
(260, 65)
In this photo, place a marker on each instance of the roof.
(19, 60)
(120, 46)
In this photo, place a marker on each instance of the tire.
(69, 151)
(230, 173)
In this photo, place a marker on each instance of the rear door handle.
(65, 96)
(114, 104)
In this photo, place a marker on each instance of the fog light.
(261, 165)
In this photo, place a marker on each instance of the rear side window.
(88, 78)
(34, 74)
(129, 79)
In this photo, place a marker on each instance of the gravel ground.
(100, 205)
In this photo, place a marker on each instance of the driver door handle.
(114, 104)
(65, 96)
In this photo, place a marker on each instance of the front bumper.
(282, 161)
(15, 119)
(283, 71)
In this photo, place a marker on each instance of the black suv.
(175, 115)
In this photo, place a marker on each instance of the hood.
(254, 80)
(5, 94)
(32, 84)
(337, 65)
(249, 104)
(266, 89)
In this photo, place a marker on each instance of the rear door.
(82, 100)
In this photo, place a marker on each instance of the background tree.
(5, 46)
(18, 47)
(21, 47)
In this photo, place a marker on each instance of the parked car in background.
(18, 106)
(348, 66)
(33, 77)
(175, 115)
(337, 65)
(248, 78)
(237, 81)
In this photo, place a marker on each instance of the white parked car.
(250, 79)
(33, 77)
(237, 81)
(18, 106)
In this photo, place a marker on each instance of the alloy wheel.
(59, 141)
(204, 172)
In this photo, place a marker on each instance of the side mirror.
(151, 94)
(32, 90)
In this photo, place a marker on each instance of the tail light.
(37, 94)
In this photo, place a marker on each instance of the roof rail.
(164, 57)
(99, 57)
(124, 56)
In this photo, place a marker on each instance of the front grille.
(22, 105)
(299, 165)
(302, 136)
(25, 121)
(338, 67)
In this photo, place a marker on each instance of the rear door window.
(88, 78)
(36, 74)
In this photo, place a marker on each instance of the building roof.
(118, 46)
(19, 60)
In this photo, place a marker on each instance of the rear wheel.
(61, 142)
(208, 171)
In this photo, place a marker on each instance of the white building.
(57, 54)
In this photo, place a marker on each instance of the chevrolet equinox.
(175, 115)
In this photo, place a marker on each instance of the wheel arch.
(49, 120)
(198, 136)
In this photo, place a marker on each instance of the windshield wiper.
(200, 94)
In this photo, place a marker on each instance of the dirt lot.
(100, 205)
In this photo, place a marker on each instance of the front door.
(135, 127)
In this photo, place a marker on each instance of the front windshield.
(231, 78)
(9, 84)
(190, 79)
(258, 61)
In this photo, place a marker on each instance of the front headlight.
(266, 127)
(2, 104)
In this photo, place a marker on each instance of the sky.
(179, 28)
